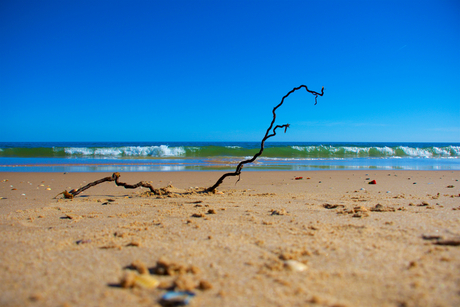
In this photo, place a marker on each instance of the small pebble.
(146, 281)
(132, 279)
(294, 265)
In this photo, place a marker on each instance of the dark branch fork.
(237, 172)
(115, 176)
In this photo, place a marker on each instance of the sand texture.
(327, 239)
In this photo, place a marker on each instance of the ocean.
(224, 156)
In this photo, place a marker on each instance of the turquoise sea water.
(219, 156)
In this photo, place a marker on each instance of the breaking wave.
(213, 150)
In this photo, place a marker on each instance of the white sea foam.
(131, 151)
(386, 150)
(346, 149)
(416, 152)
(441, 151)
(78, 151)
(455, 150)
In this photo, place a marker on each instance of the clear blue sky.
(213, 70)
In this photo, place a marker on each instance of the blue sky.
(213, 70)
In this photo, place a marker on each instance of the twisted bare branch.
(114, 177)
(240, 166)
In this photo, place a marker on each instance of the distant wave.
(375, 151)
(274, 151)
(126, 151)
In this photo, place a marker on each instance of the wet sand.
(328, 239)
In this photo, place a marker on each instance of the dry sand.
(395, 243)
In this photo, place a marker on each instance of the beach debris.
(204, 285)
(133, 279)
(450, 186)
(357, 212)
(106, 201)
(432, 237)
(171, 268)
(423, 204)
(380, 208)
(71, 217)
(134, 243)
(65, 194)
(439, 240)
(184, 283)
(373, 182)
(48, 189)
(112, 246)
(455, 242)
(329, 206)
(146, 281)
(85, 241)
(198, 215)
(115, 177)
(271, 131)
(212, 211)
(278, 212)
(176, 298)
(298, 178)
(295, 265)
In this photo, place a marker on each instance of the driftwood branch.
(270, 133)
(115, 177)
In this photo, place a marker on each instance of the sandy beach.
(327, 239)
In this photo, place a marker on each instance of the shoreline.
(383, 244)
